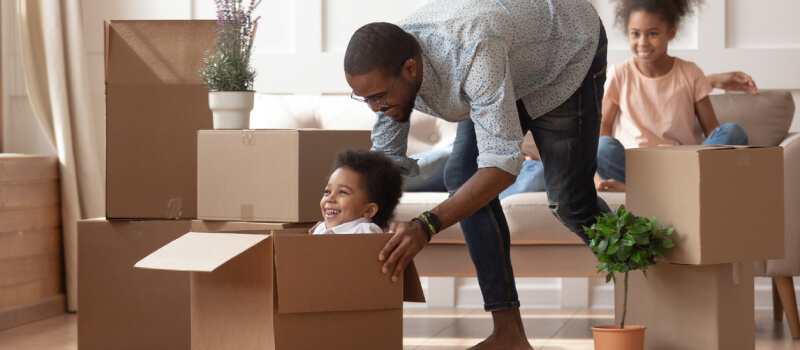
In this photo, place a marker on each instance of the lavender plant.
(228, 67)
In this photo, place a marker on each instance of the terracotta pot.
(613, 338)
(231, 109)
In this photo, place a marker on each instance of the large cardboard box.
(726, 203)
(289, 291)
(267, 175)
(155, 104)
(688, 307)
(122, 307)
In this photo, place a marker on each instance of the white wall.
(299, 48)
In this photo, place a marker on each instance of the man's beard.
(406, 109)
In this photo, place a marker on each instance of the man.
(500, 69)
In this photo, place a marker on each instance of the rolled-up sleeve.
(494, 109)
(391, 138)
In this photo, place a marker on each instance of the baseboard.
(45, 308)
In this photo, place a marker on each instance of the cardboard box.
(267, 175)
(155, 104)
(692, 307)
(289, 291)
(726, 203)
(122, 307)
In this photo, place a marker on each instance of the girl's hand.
(733, 81)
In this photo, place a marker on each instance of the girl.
(657, 95)
(361, 194)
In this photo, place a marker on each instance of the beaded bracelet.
(424, 227)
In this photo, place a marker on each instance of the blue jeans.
(611, 153)
(567, 141)
(431, 176)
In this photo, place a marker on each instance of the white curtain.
(58, 85)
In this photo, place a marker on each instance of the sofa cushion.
(765, 117)
(529, 219)
(341, 112)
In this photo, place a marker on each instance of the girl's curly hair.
(671, 11)
(381, 179)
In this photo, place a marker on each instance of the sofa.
(540, 245)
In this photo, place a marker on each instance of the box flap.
(412, 289)
(147, 52)
(200, 251)
(317, 273)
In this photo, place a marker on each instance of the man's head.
(383, 66)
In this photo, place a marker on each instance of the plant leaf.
(668, 243)
(613, 248)
(628, 241)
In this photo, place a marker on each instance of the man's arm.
(409, 237)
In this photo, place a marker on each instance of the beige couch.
(542, 246)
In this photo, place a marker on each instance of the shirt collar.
(348, 227)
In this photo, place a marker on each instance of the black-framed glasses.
(381, 104)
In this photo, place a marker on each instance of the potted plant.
(623, 243)
(227, 71)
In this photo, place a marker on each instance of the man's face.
(393, 95)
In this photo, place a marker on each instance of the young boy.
(361, 195)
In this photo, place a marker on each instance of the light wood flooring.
(432, 329)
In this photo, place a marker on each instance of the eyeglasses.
(380, 104)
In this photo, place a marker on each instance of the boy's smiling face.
(344, 200)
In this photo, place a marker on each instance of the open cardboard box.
(725, 202)
(289, 290)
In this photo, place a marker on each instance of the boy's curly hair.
(381, 179)
(671, 11)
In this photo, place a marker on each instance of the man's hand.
(733, 81)
(408, 240)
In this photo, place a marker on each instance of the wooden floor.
(431, 329)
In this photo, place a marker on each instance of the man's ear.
(372, 209)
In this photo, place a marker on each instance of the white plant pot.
(231, 109)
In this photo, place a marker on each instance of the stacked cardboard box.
(726, 205)
(255, 283)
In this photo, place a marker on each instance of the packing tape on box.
(248, 137)
(736, 273)
(743, 157)
(174, 207)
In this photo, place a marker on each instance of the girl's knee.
(735, 133)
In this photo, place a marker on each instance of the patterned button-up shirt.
(480, 56)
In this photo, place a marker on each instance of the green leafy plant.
(624, 242)
(228, 68)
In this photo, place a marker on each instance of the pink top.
(656, 111)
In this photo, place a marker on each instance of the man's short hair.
(378, 45)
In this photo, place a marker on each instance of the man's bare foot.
(610, 185)
(508, 332)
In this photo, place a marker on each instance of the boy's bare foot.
(610, 185)
(508, 332)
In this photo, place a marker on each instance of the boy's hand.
(408, 240)
(313, 228)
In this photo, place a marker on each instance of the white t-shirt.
(360, 225)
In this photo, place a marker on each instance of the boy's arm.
(706, 116)
(610, 111)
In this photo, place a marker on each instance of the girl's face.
(648, 36)
(344, 200)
